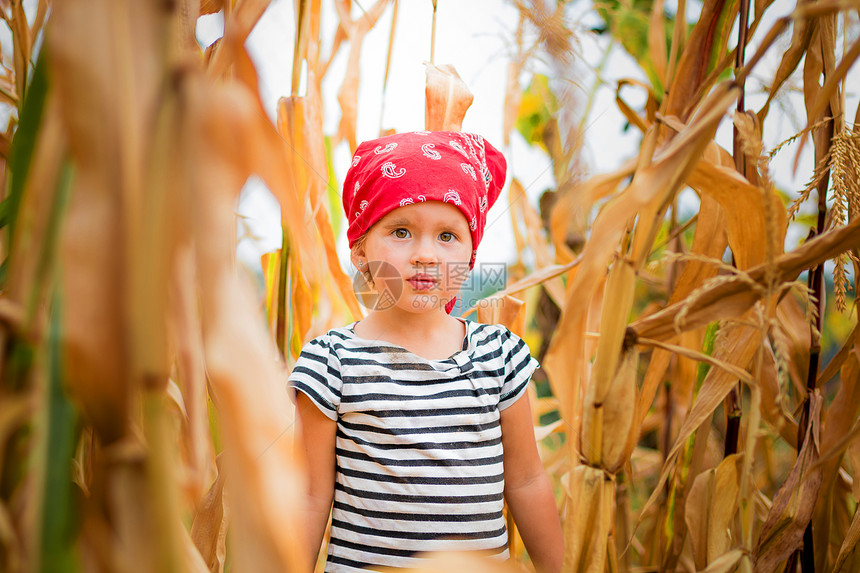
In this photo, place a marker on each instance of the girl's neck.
(433, 335)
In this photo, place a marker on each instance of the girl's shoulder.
(491, 333)
(333, 338)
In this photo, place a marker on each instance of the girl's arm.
(527, 489)
(317, 439)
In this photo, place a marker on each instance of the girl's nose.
(424, 252)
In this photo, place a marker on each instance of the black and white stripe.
(418, 448)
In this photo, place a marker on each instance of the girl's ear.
(359, 261)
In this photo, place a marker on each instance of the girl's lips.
(422, 282)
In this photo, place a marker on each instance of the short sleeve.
(317, 375)
(519, 366)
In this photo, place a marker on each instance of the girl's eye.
(401, 233)
(447, 237)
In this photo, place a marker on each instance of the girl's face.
(418, 256)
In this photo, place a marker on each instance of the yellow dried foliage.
(166, 354)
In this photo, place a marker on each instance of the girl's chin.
(426, 302)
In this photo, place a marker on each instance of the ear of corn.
(447, 98)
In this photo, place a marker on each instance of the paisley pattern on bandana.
(452, 197)
(390, 170)
(469, 170)
(361, 208)
(459, 148)
(488, 177)
(430, 153)
(380, 149)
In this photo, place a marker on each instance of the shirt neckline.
(453, 358)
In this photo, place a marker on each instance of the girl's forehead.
(436, 212)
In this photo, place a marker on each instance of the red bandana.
(390, 172)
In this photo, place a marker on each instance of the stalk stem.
(733, 400)
(815, 282)
(433, 36)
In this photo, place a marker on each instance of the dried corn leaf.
(651, 184)
(300, 300)
(211, 6)
(35, 184)
(185, 33)
(745, 210)
(732, 296)
(237, 27)
(347, 95)
(711, 506)
(849, 543)
(632, 116)
(739, 345)
(300, 123)
(209, 526)
(657, 41)
(521, 206)
(686, 148)
(300, 45)
(519, 242)
(190, 557)
(654, 378)
(701, 51)
(123, 94)
(773, 408)
(829, 93)
(575, 200)
(843, 412)
(801, 36)
(726, 562)
(792, 339)
(271, 265)
(839, 358)
(586, 531)
(184, 327)
(447, 98)
(292, 127)
(839, 421)
(505, 310)
(709, 241)
(133, 527)
(813, 68)
(853, 455)
(23, 42)
(255, 413)
(793, 505)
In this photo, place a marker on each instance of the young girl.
(416, 424)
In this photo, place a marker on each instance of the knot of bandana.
(397, 170)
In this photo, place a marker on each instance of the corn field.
(696, 410)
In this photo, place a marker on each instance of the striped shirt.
(418, 447)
